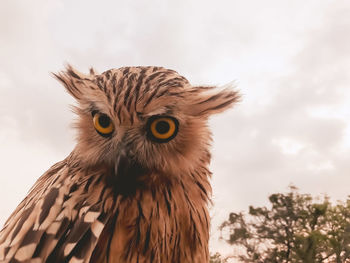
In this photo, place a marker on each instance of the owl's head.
(150, 115)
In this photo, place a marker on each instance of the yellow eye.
(162, 128)
(103, 124)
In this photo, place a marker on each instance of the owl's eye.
(162, 128)
(103, 124)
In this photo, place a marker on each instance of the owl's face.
(149, 115)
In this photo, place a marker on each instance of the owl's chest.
(162, 227)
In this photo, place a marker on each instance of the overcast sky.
(290, 60)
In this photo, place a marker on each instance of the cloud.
(307, 112)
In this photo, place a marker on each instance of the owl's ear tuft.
(74, 81)
(211, 100)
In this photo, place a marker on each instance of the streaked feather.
(124, 199)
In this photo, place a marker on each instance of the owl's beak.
(121, 155)
(128, 173)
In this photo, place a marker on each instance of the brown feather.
(124, 198)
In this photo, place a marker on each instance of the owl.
(136, 186)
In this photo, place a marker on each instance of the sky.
(289, 59)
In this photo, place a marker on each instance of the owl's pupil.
(104, 121)
(162, 127)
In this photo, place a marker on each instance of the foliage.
(217, 258)
(296, 228)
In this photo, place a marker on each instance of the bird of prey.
(136, 186)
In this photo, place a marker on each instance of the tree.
(217, 258)
(295, 228)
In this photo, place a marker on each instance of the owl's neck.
(128, 177)
(151, 212)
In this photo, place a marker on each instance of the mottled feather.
(124, 198)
